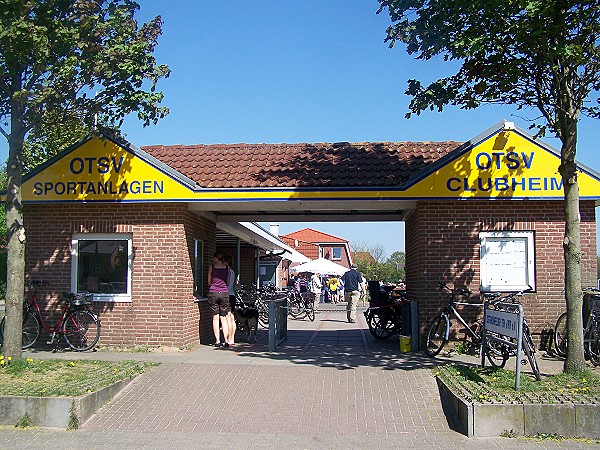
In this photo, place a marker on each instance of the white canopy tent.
(322, 266)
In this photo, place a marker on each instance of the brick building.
(138, 227)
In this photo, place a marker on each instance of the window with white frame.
(507, 261)
(101, 265)
(336, 253)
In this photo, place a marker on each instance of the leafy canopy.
(83, 56)
(542, 54)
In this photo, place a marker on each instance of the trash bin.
(405, 344)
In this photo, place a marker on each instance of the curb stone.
(56, 412)
(489, 420)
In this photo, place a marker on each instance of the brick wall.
(442, 244)
(162, 311)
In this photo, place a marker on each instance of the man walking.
(353, 289)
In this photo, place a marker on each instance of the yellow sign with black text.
(100, 170)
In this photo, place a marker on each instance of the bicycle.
(527, 344)
(591, 332)
(295, 302)
(439, 330)
(385, 319)
(79, 325)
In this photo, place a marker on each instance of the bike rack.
(277, 320)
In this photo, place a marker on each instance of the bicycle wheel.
(295, 306)
(263, 314)
(380, 325)
(529, 348)
(593, 344)
(81, 330)
(31, 330)
(437, 335)
(560, 335)
(310, 311)
(497, 353)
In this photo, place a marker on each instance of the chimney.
(274, 229)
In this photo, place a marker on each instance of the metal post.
(414, 325)
(272, 326)
(483, 334)
(519, 347)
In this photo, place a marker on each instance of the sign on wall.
(507, 260)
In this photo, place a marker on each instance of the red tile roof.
(308, 249)
(314, 236)
(301, 165)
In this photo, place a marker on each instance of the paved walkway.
(330, 385)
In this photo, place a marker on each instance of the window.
(336, 253)
(507, 261)
(198, 265)
(101, 264)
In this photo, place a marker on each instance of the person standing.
(315, 287)
(353, 289)
(333, 285)
(231, 291)
(218, 298)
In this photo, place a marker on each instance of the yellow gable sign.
(101, 170)
(504, 165)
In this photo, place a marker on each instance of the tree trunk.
(15, 237)
(572, 251)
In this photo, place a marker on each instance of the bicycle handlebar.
(511, 296)
(454, 291)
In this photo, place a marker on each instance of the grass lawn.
(61, 378)
(494, 385)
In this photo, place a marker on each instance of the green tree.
(398, 260)
(85, 59)
(397, 263)
(537, 54)
(46, 139)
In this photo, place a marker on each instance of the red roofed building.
(315, 244)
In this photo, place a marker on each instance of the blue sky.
(302, 71)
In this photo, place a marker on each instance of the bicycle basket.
(80, 300)
(596, 303)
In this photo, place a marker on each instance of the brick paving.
(330, 385)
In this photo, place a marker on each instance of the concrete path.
(330, 385)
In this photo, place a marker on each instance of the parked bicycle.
(591, 332)
(78, 325)
(439, 329)
(384, 316)
(300, 307)
(259, 298)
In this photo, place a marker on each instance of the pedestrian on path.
(353, 289)
(315, 287)
(231, 291)
(218, 298)
(333, 285)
